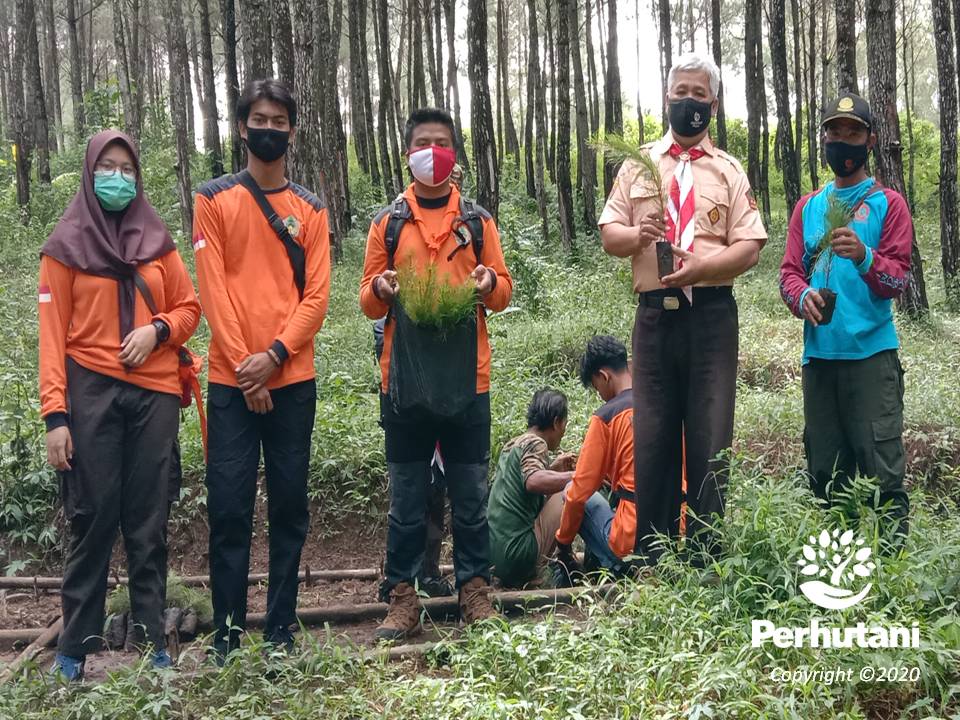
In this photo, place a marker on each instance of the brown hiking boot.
(403, 618)
(475, 601)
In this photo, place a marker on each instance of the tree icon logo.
(845, 560)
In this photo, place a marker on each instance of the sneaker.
(475, 601)
(161, 660)
(281, 639)
(403, 618)
(69, 668)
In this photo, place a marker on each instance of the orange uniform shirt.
(80, 319)
(725, 211)
(607, 454)
(246, 281)
(425, 240)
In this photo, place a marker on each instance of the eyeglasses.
(108, 169)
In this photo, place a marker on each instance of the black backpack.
(469, 216)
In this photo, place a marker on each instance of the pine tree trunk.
(20, 105)
(947, 92)
(6, 84)
(34, 104)
(781, 90)
(433, 42)
(333, 142)
(179, 94)
(666, 57)
(362, 69)
(586, 156)
(52, 53)
(753, 72)
(211, 129)
(592, 70)
(304, 161)
(388, 119)
(846, 17)
(481, 113)
(282, 39)
(613, 105)
(536, 122)
(357, 116)
(257, 50)
(130, 109)
(798, 75)
(419, 75)
(909, 89)
(453, 88)
(825, 57)
(882, 78)
(564, 189)
(552, 75)
(718, 59)
(231, 78)
(511, 141)
(90, 82)
(813, 162)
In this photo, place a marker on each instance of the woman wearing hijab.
(109, 390)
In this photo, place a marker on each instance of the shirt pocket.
(643, 199)
(712, 209)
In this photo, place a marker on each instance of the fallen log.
(46, 638)
(435, 608)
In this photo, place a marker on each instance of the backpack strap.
(298, 258)
(399, 214)
(473, 220)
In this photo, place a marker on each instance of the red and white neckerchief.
(680, 203)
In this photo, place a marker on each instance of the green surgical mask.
(113, 190)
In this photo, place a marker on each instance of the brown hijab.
(110, 245)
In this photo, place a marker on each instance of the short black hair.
(603, 351)
(273, 90)
(546, 408)
(421, 116)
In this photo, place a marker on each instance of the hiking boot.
(280, 639)
(475, 601)
(403, 618)
(69, 668)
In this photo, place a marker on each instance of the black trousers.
(684, 387)
(123, 439)
(235, 438)
(411, 439)
(853, 413)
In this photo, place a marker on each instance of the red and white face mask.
(432, 164)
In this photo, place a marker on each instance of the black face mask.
(689, 117)
(267, 144)
(845, 159)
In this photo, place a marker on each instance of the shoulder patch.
(609, 410)
(317, 203)
(217, 185)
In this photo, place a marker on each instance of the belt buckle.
(671, 303)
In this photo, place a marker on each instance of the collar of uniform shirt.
(662, 146)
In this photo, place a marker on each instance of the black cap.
(850, 106)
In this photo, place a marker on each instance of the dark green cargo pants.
(853, 412)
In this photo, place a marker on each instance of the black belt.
(674, 299)
(624, 494)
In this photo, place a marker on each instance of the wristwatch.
(163, 331)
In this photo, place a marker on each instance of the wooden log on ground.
(46, 638)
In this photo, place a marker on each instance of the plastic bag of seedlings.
(432, 369)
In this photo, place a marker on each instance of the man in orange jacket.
(265, 297)
(430, 228)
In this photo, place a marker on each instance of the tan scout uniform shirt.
(725, 211)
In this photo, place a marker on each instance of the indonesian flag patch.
(199, 242)
(44, 295)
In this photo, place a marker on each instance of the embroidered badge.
(863, 212)
(199, 242)
(751, 200)
(293, 225)
(714, 215)
(45, 296)
(845, 104)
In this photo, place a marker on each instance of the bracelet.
(273, 356)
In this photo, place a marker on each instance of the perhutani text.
(824, 636)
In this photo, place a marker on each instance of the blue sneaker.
(69, 668)
(161, 660)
